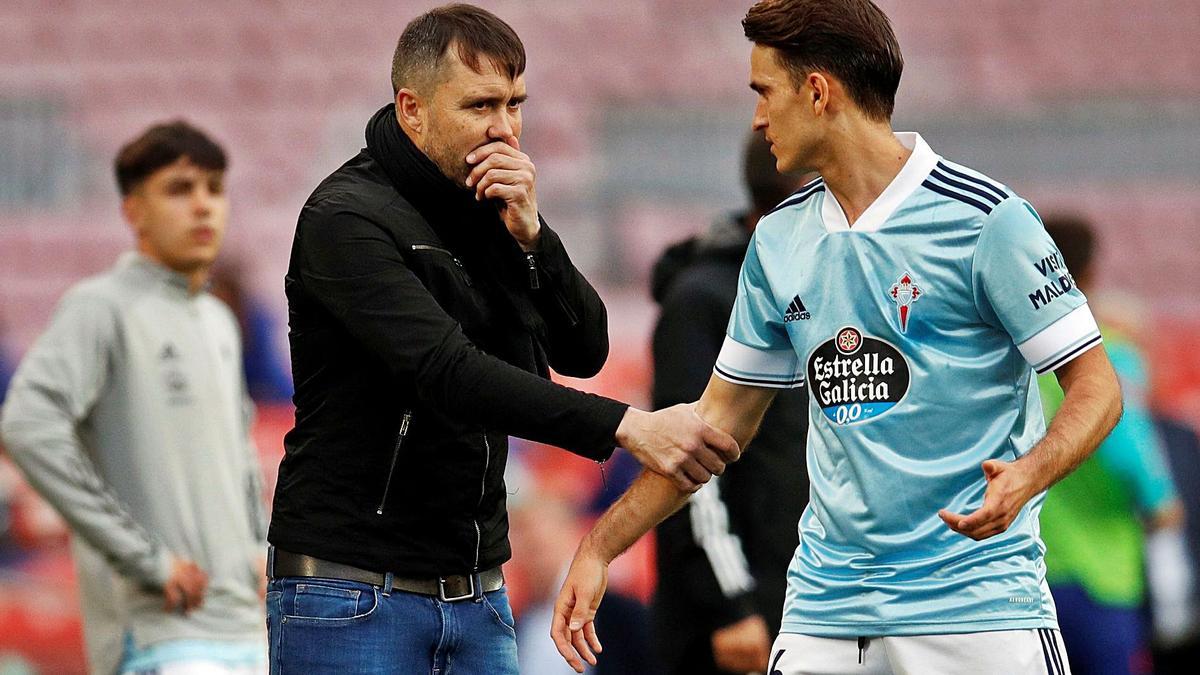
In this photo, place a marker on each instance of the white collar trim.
(915, 170)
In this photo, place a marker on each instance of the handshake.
(676, 444)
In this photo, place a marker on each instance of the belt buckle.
(442, 590)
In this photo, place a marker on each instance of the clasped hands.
(676, 444)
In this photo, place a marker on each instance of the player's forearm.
(1090, 409)
(740, 419)
(647, 502)
(734, 409)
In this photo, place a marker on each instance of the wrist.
(529, 244)
(625, 433)
(591, 549)
(530, 233)
(1031, 474)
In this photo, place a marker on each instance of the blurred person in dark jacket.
(428, 301)
(723, 558)
(1181, 443)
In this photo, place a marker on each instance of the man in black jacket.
(427, 303)
(723, 558)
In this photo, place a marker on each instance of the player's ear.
(132, 208)
(411, 110)
(818, 88)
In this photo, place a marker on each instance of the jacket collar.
(466, 225)
(146, 270)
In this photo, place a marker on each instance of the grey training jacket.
(130, 416)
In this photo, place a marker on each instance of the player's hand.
(184, 590)
(676, 444)
(506, 175)
(742, 647)
(573, 628)
(1009, 488)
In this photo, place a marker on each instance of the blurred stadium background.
(636, 114)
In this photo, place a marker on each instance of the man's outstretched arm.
(735, 409)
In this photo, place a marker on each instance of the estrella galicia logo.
(855, 377)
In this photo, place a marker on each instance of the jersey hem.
(901, 628)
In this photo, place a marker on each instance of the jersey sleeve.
(1022, 286)
(757, 351)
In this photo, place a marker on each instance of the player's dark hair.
(765, 186)
(1076, 240)
(161, 145)
(474, 33)
(849, 39)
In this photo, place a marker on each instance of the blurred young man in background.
(916, 297)
(130, 416)
(722, 559)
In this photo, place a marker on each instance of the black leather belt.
(449, 588)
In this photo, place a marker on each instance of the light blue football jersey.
(918, 331)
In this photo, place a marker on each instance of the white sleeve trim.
(1062, 341)
(723, 548)
(742, 364)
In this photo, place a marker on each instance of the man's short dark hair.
(1076, 240)
(764, 184)
(474, 32)
(849, 39)
(161, 145)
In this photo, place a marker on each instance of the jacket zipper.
(461, 268)
(536, 284)
(531, 262)
(572, 317)
(395, 456)
(487, 461)
(428, 247)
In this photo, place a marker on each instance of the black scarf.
(471, 229)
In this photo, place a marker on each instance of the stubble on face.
(443, 150)
(463, 108)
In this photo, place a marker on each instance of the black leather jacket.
(421, 338)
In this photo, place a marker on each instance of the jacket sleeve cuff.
(551, 254)
(608, 415)
(154, 570)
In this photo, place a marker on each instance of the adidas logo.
(796, 311)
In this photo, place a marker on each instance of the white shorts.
(1005, 652)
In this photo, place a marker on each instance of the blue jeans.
(332, 626)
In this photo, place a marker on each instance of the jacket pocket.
(405, 422)
(430, 248)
